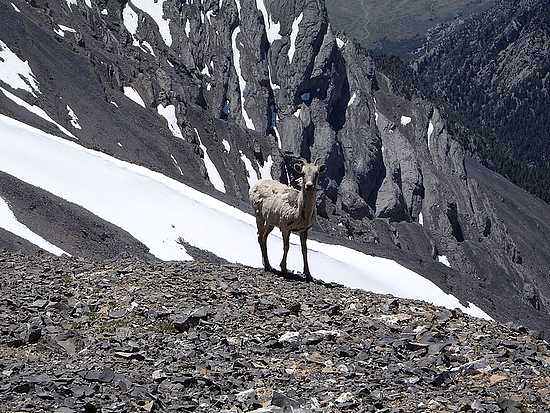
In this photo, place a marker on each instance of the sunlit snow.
(405, 120)
(130, 19)
(176, 164)
(146, 46)
(36, 110)
(226, 146)
(340, 43)
(421, 219)
(9, 222)
(294, 36)
(169, 113)
(242, 83)
(272, 29)
(133, 95)
(444, 260)
(430, 132)
(213, 174)
(158, 210)
(187, 28)
(352, 99)
(274, 86)
(74, 118)
(15, 8)
(16, 72)
(155, 9)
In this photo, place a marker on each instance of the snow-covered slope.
(158, 211)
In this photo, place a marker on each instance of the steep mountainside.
(493, 71)
(215, 95)
(131, 335)
(400, 26)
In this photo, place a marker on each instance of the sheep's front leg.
(286, 245)
(303, 241)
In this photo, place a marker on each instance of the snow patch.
(443, 260)
(294, 36)
(146, 46)
(158, 210)
(9, 222)
(405, 120)
(213, 174)
(297, 113)
(176, 164)
(187, 28)
(133, 95)
(209, 15)
(155, 9)
(36, 110)
(88, 3)
(272, 29)
(16, 72)
(205, 71)
(15, 8)
(430, 132)
(130, 19)
(114, 103)
(277, 135)
(421, 219)
(251, 174)
(104, 12)
(353, 97)
(273, 85)
(265, 171)
(74, 118)
(340, 43)
(226, 146)
(169, 113)
(242, 83)
(62, 29)
(71, 3)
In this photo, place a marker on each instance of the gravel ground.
(136, 335)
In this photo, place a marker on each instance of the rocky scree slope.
(134, 335)
(247, 85)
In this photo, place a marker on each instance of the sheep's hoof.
(267, 268)
(309, 278)
(284, 270)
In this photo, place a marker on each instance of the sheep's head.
(310, 173)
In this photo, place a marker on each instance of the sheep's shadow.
(289, 275)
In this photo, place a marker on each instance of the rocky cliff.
(133, 335)
(247, 86)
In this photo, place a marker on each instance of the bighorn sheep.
(279, 205)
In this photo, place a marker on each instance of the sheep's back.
(274, 200)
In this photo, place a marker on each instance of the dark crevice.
(452, 215)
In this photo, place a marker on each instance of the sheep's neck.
(306, 206)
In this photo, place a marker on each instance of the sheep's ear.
(322, 169)
(298, 167)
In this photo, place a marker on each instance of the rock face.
(254, 84)
(138, 335)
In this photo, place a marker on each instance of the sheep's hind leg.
(303, 241)
(286, 245)
(263, 232)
